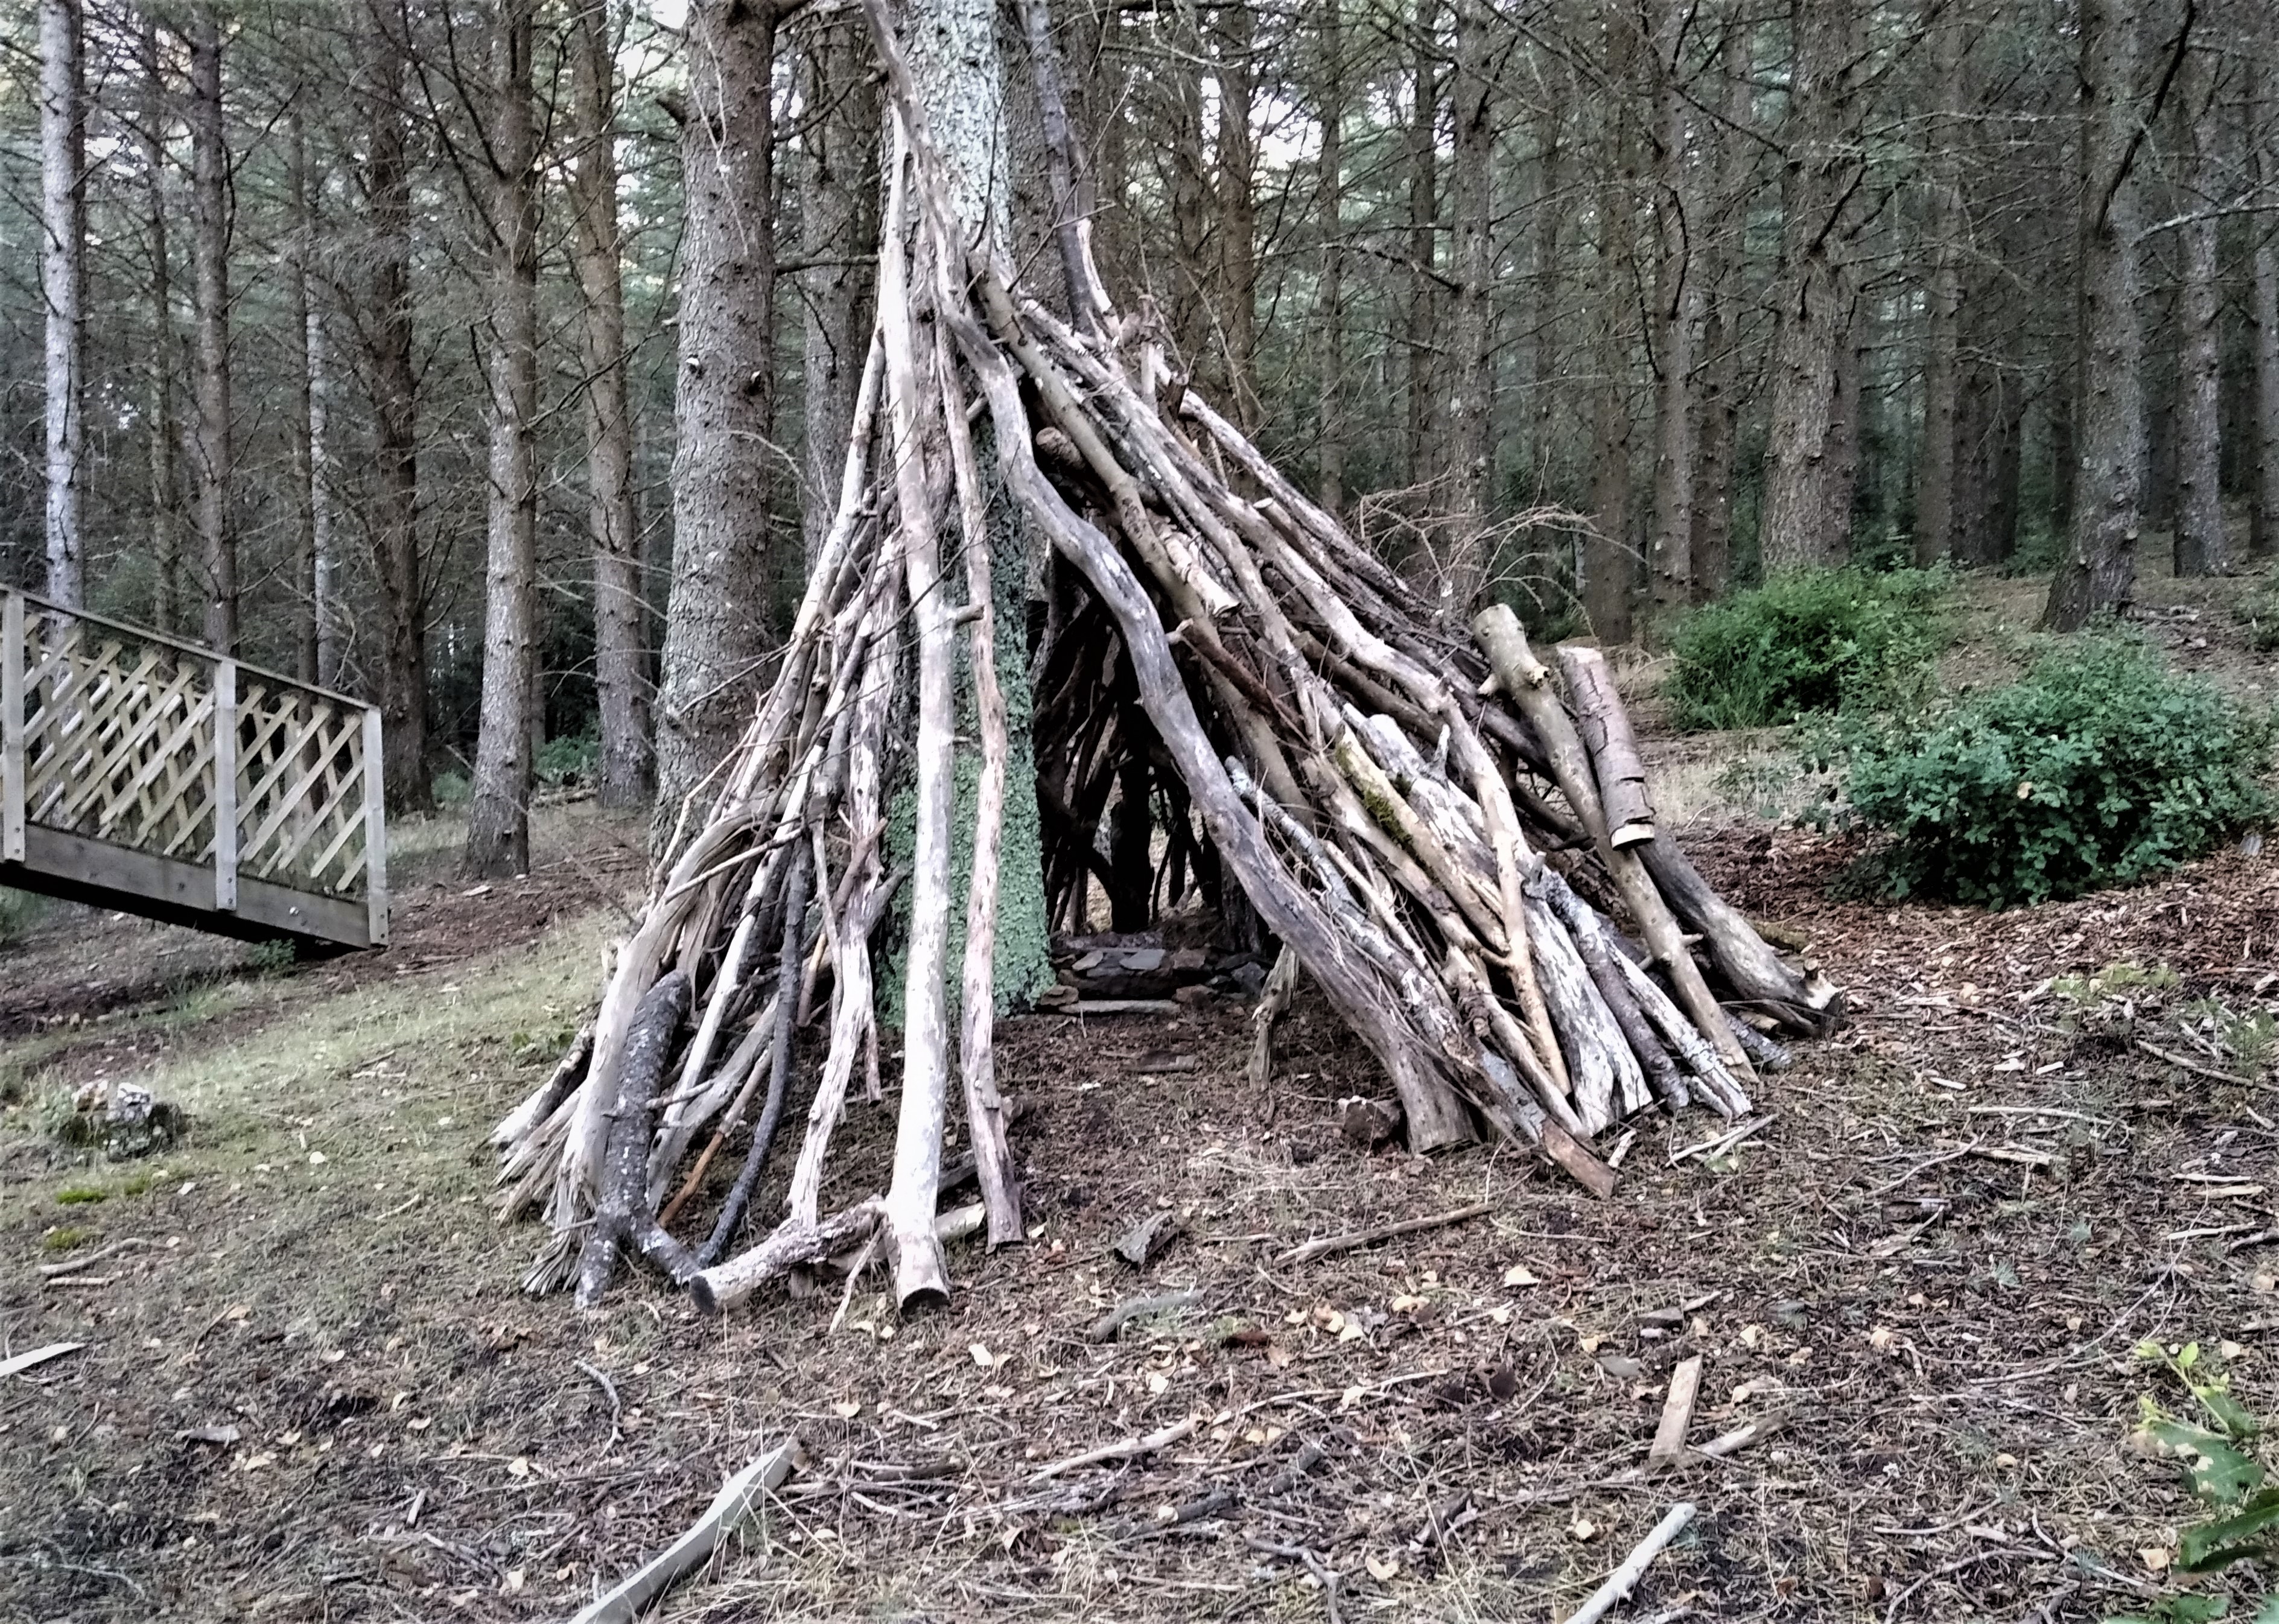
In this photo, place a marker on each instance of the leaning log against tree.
(1400, 806)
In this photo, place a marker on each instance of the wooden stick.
(1281, 985)
(17, 1364)
(1330, 1244)
(1620, 1582)
(919, 1271)
(1741, 1436)
(629, 1600)
(1677, 1417)
(977, 1062)
(1161, 1439)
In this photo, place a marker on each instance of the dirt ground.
(311, 1390)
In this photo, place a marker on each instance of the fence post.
(12, 793)
(224, 758)
(375, 833)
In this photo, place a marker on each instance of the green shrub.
(565, 763)
(2259, 615)
(2099, 767)
(1807, 641)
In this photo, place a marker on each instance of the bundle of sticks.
(1453, 839)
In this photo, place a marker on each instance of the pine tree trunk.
(63, 279)
(1329, 299)
(301, 428)
(2099, 570)
(1676, 308)
(717, 638)
(1935, 508)
(163, 435)
(1422, 314)
(839, 210)
(2263, 539)
(1725, 276)
(393, 523)
(1553, 408)
(1815, 295)
(1462, 546)
(498, 821)
(1235, 164)
(621, 677)
(2199, 541)
(211, 454)
(1608, 566)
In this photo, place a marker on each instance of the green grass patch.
(81, 1195)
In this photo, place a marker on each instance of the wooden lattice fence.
(153, 775)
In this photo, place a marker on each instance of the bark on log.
(1607, 741)
(624, 1191)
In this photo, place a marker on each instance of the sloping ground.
(1934, 1263)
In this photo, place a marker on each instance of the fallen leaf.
(1621, 1367)
(982, 1356)
(1519, 1275)
(846, 1409)
(2156, 1559)
(1383, 1570)
(1583, 1529)
(210, 1435)
(1159, 1383)
(1407, 1304)
(519, 1466)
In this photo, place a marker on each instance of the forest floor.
(311, 1390)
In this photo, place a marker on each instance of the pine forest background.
(1600, 309)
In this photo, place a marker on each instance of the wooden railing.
(147, 773)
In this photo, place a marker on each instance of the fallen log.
(625, 1180)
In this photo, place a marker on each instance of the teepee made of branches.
(1451, 836)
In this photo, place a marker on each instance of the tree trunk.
(716, 641)
(1608, 566)
(1553, 406)
(620, 658)
(1935, 522)
(1720, 365)
(301, 428)
(387, 337)
(498, 821)
(2263, 539)
(2099, 570)
(162, 439)
(1814, 287)
(1235, 164)
(1677, 305)
(209, 224)
(63, 281)
(838, 217)
(2199, 541)
(1423, 315)
(1462, 546)
(1329, 299)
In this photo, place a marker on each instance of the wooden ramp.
(143, 773)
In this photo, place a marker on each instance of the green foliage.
(274, 957)
(81, 1195)
(1806, 642)
(453, 789)
(567, 763)
(2100, 767)
(2216, 1452)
